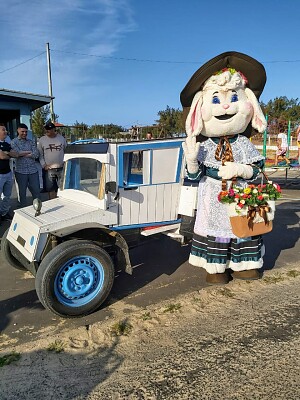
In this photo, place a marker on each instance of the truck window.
(136, 167)
(85, 174)
(151, 167)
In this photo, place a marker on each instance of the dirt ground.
(239, 341)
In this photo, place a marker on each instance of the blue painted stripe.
(179, 164)
(150, 145)
(122, 227)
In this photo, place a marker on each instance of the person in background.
(26, 171)
(282, 146)
(8, 139)
(298, 143)
(6, 177)
(149, 136)
(51, 149)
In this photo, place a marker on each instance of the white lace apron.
(212, 218)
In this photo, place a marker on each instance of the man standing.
(51, 148)
(6, 179)
(26, 171)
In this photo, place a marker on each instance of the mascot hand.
(232, 169)
(191, 150)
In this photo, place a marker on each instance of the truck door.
(149, 180)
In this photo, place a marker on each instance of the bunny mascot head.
(224, 106)
(221, 99)
(223, 95)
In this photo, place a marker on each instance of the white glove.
(191, 150)
(232, 169)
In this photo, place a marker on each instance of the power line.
(280, 61)
(132, 59)
(126, 59)
(23, 62)
(157, 61)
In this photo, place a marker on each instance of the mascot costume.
(221, 104)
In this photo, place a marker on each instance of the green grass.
(57, 346)
(121, 328)
(172, 308)
(146, 316)
(9, 358)
(225, 292)
(273, 279)
(293, 273)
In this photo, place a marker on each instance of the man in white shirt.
(282, 146)
(51, 149)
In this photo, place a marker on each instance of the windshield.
(85, 174)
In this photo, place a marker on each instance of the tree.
(39, 118)
(111, 130)
(80, 130)
(170, 121)
(280, 111)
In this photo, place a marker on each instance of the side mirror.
(111, 187)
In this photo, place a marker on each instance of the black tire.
(6, 253)
(74, 278)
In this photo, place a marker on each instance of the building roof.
(35, 100)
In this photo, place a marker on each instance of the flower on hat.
(232, 71)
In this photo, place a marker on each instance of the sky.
(122, 61)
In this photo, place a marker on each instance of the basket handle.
(234, 179)
(261, 172)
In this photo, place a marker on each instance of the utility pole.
(50, 82)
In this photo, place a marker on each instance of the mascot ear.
(193, 124)
(258, 120)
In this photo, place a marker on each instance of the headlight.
(37, 205)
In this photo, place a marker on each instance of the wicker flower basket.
(251, 221)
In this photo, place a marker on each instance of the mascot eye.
(216, 100)
(234, 98)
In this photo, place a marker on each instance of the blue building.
(17, 107)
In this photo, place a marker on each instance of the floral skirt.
(217, 254)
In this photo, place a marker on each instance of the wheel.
(6, 253)
(74, 278)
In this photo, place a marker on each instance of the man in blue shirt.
(26, 171)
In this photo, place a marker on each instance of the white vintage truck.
(109, 194)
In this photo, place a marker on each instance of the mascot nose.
(225, 106)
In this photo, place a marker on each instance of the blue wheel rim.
(79, 281)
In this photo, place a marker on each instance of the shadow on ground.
(284, 236)
(68, 375)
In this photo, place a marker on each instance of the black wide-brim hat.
(253, 70)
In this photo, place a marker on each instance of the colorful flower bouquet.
(252, 195)
(255, 203)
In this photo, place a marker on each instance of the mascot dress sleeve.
(222, 103)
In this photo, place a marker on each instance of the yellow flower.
(247, 190)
